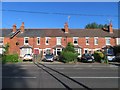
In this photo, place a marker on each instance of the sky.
(43, 14)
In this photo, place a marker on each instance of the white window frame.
(74, 40)
(24, 41)
(106, 42)
(47, 38)
(2, 38)
(95, 40)
(38, 38)
(58, 42)
(86, 41)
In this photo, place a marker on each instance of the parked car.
(87, 58)
(117, 58)
(48, 57)
(110, 55)
(27, 57)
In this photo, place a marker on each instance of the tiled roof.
(5, 32)
(91, 33)
(60, 33)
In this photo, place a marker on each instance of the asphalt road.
(86, 75)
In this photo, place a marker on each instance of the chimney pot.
(110, 28)
(66, 27)
(14, 28)
(22, 27)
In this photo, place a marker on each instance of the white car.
(27, 57)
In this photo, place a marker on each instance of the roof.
(60, 33)
(6, 32)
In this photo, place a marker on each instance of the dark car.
(48, 57)
(117, 58)
(87, 58)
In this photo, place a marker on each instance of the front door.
(57, 51)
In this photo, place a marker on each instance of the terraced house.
(54, 40)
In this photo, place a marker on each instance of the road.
(86, 75)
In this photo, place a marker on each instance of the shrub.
(98, 56)
(68, 54)
(10, 58)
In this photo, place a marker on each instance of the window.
(95, 40)
(58, 40)
(46, 51)
(75, 40)
(87, 40)
(107, 40)
(26, 42)
(38, 40)
(47, 40)
(1, 40)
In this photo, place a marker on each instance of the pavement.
(87, 75)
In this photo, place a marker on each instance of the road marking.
(96, 77)
(78, 68)
(27, 65)
(59, 68)
(20, 77)
(22, 68)
(96, 68)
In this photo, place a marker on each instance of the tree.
(6, 48)
(69, 54)
(94, 25)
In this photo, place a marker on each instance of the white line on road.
(96, 77)
(78, 68)
(19, 77)
(27, 65)
(23, 68)
(59, 68)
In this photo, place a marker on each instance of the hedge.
(10, 58)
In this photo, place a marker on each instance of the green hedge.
(10, 58)
(68, 56)
(98, 56)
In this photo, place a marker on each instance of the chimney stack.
(14, 28)
(110, 28)
(66, 27)
(22, 27)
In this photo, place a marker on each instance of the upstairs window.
(1, 40)
(47, 40)
(58, 40)
(95, 40)
(107, 40)
(87, 40)
(38, 40)
(26, 42)
(75, 40)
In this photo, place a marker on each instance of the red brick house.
(35, 41)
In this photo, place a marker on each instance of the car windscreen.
(110, 52)
(48, 56)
